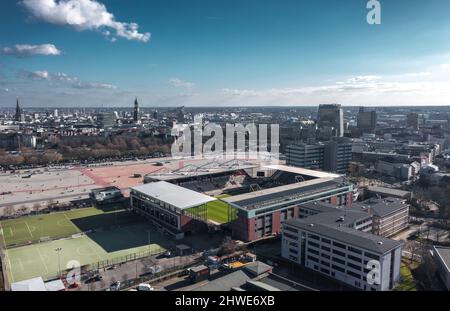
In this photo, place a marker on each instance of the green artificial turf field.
(27, 230)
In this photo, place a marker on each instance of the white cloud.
(86, 86)
(176, 82)
(66, 79)
(83, 15)
(417, 88)
(26, 50)
(45, 75)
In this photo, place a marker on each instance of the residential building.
(390, 215)
(442, 258)
(360, 259)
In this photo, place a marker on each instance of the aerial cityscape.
(224, 146)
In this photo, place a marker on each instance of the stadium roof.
(193, 173)
(179, 197)
(302, 171)
(263, 197)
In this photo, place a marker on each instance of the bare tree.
(228, 246)
(36, 207)
(23, 209)
(8, 211)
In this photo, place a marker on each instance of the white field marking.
(95, 251)
(2, 234)
(11, 274)
(71, 223)
(21, 265)
(29, 230)
(42, 259)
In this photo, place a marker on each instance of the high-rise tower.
(19, 117)
(136, 111)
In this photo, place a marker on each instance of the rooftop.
(302, 171)
(339, 218)
(373, 243)
(381, 207)
(257, 199)
(389, 191)
(444, 254)
(181, 198)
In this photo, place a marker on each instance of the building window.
(326, 248)
(315, 237)
(335, 251)
(338, 268)
(313, 251)
(342, 262)
(314, 244)
(313, 258)
(340, 245)
(349, 264)
(370, 255)
(355, 250)
(355, 275)
(354, 258)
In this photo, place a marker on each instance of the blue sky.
(211, 52)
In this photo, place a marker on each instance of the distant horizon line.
(219, 107)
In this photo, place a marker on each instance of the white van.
(145, 288)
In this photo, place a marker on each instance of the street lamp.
(58, 251)
(148, 232)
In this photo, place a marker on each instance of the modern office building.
(331, 118)
(173, 209)
(331, 156)
(329, 243)
(366, 120)
(306, 156)
(337, 155)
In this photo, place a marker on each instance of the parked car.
(145, 288)
(115, 286)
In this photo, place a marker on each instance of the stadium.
(248, 199)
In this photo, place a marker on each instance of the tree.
(23, 209)
(8, 211)
(36, 207)
(228, 246)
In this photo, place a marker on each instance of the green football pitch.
(118, 236)
(27, 230)
(218, 210)
(107, 247)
